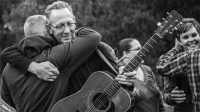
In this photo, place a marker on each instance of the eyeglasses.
(136, 49)
(64, 25)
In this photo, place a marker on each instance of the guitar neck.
(113, 87)
(145, 50)
(168, 25)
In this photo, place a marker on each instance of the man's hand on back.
(44, 70)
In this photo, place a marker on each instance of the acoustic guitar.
(102, 93)
(4, 107)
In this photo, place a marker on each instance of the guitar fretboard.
(169, 24)
(135, 62)
(112, 88)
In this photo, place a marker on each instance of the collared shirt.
(184, 63)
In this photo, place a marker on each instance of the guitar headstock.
(171, 23)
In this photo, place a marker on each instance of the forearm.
(169, 55)
(84, 45)
(172, 63)
(75, 51)
(16, 58)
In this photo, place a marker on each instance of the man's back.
(33, 94)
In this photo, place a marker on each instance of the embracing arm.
(172, 63)
(69, 53)
(73, 52)
(85, 43)
(16, 58)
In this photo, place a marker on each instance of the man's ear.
(49, 29)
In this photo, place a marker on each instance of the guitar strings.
(102, 95)
(101, 100)
(149, 45)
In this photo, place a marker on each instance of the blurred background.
(114, 19)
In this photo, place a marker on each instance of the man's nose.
(67, 30)
(191, 38)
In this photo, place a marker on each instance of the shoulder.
(36, 42)
(107, 50)
(147, 68)
(85, 30)
(31, 40)
(37, 38)
(148, 71)
(104, 46)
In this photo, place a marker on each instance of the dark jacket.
(148, 98)
(27, 93)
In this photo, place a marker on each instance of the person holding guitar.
(147, 97)
(182, 63)
(75, 53)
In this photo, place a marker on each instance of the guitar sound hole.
(101, 101)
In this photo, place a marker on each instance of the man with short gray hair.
(35, 25)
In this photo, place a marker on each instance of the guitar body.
(101, 93)
(90, 98)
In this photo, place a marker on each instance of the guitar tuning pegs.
(175, 28)
(159, 24)
(166, 31)
(169, 14)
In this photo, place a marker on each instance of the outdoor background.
(114, 19)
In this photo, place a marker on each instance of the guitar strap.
(105, 60)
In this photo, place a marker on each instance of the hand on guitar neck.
(126, 78)
(103, 93)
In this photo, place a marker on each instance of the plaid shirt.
(187, 63)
